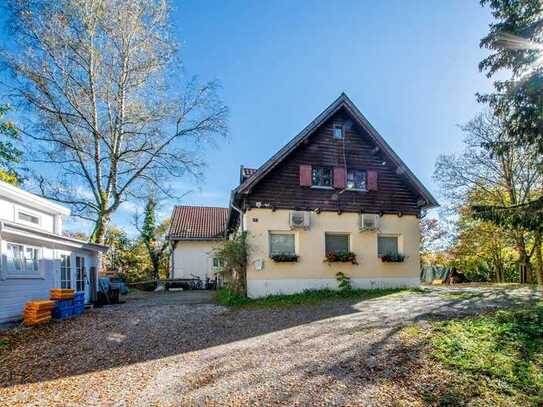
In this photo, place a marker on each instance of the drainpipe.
(240, 215)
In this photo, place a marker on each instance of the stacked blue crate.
(79, 303)
(63, 309)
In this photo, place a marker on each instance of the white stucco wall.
(194, 258)
(311, 272)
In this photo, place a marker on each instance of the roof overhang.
(27, 232)
(342, 101)
(22, 197)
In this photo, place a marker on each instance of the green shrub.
(343, 282)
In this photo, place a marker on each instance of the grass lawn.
(494, 359)
(226, 297)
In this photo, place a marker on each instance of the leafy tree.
(112, 110)
(234, 254)
(154, 238)
(126, 257)
(10, 155)
(481, 177)
(432, 239)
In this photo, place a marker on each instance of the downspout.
(240, 215)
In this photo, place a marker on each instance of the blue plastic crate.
(79, 309)
(79, 296)
(64, 304)
(63, 313)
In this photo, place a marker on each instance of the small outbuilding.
(195, 233)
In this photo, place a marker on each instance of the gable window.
(282, 243)
(335, 243)
(387, 245)
(338, 132)
(356, 179)
(65, 271)
(27, 217)
(23, 259)
(321, 177)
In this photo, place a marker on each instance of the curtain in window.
(387, 245)
(337, 243)
(281, 244)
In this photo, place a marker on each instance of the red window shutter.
(305, 175)
(339, 177)
(372, 181)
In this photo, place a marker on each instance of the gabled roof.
(198, 223)
(344, 102)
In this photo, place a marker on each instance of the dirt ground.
(180, 349)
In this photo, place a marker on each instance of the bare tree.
(112, 110)
(480, 176)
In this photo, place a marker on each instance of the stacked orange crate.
(62, 293)
(38, 312)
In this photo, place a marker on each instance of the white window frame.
(281, 232)
(365, 180)
(399, 240)
(342, 133)
(70, 270)
(82, 268)
(346, 234)
(26, 271)
(28, 212)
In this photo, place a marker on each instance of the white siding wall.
(194, 257)
(16, 291)
(8, 211)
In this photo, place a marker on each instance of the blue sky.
(409, 66)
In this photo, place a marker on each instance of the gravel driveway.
(157, 350)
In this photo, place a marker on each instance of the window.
(65, 271)
(23, 259)
(217, 263)
(26, 217)
(387, 245)
(336, 243)
(338, 132)
(80, 273)
(282, 243)
(356, 179)
(321, 177)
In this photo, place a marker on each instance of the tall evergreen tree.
(153, 237)
(515, 41)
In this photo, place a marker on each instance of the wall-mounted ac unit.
(369, 221)
(299, 219)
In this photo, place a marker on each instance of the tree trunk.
(538, 259)
(524, 260)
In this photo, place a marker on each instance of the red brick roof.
(198, 223)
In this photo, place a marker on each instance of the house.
(35, 256)
(336, 198)
(195, 232)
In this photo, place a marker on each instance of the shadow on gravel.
(132, 333)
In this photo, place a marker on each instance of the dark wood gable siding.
(281, 187)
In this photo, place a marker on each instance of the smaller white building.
(195, 233)
(35, 256)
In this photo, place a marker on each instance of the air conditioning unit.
(299, 219)
(369, 221)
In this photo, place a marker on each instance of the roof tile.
(198, 222)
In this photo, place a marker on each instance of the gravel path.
(148, 352)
